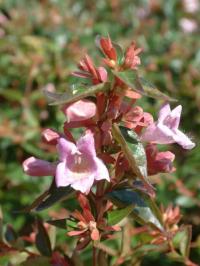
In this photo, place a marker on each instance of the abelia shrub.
(107, 169)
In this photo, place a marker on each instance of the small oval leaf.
(114, 217)
(56, 98)
(140, 85)
(56, 195)
(134, 152)
(141, 209)
(62, 223)
(42, 241)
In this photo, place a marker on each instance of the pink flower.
(191, 6)
(188, 25)
(36, 167)
(159, 162)
(80, 111)
(3, 19)
(165, 130)
(79, 165)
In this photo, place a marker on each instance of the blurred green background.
(42, 41)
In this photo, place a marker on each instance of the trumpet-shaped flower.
(165, 130)
(78, 165)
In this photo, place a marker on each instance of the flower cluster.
(119, 146)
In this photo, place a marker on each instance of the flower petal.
(35, 167)
(61, 175)
(183, 140)
(84, 185)
(86, 144)
(65, 148)
(102, 171)
(158, 133)
(164, 112)
(102, 73)
(176, 116)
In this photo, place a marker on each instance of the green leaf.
(140, 85)
(144, 215)
(151, 91)
(127, 196)
(72, 223)
(42, 241)
(141, 209)
(146, 249)
(175, 256)
(55, 98)
(132, 148)
(62, 223)
(56, 195)
(134, 152)
(11, 95)
(182, 240)
(116, 216)
(137, 149)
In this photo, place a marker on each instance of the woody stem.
(94, 256)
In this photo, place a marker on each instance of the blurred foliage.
(42, 41)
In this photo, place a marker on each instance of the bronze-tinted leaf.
(56, 98)
(140, 85)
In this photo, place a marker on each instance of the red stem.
(94, 256)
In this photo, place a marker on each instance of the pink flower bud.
(132, 59)
(80, 111)
(159, 162)
(36, 167)
(50, 136)
(89, 71)
(102, 73)
(107, 48)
